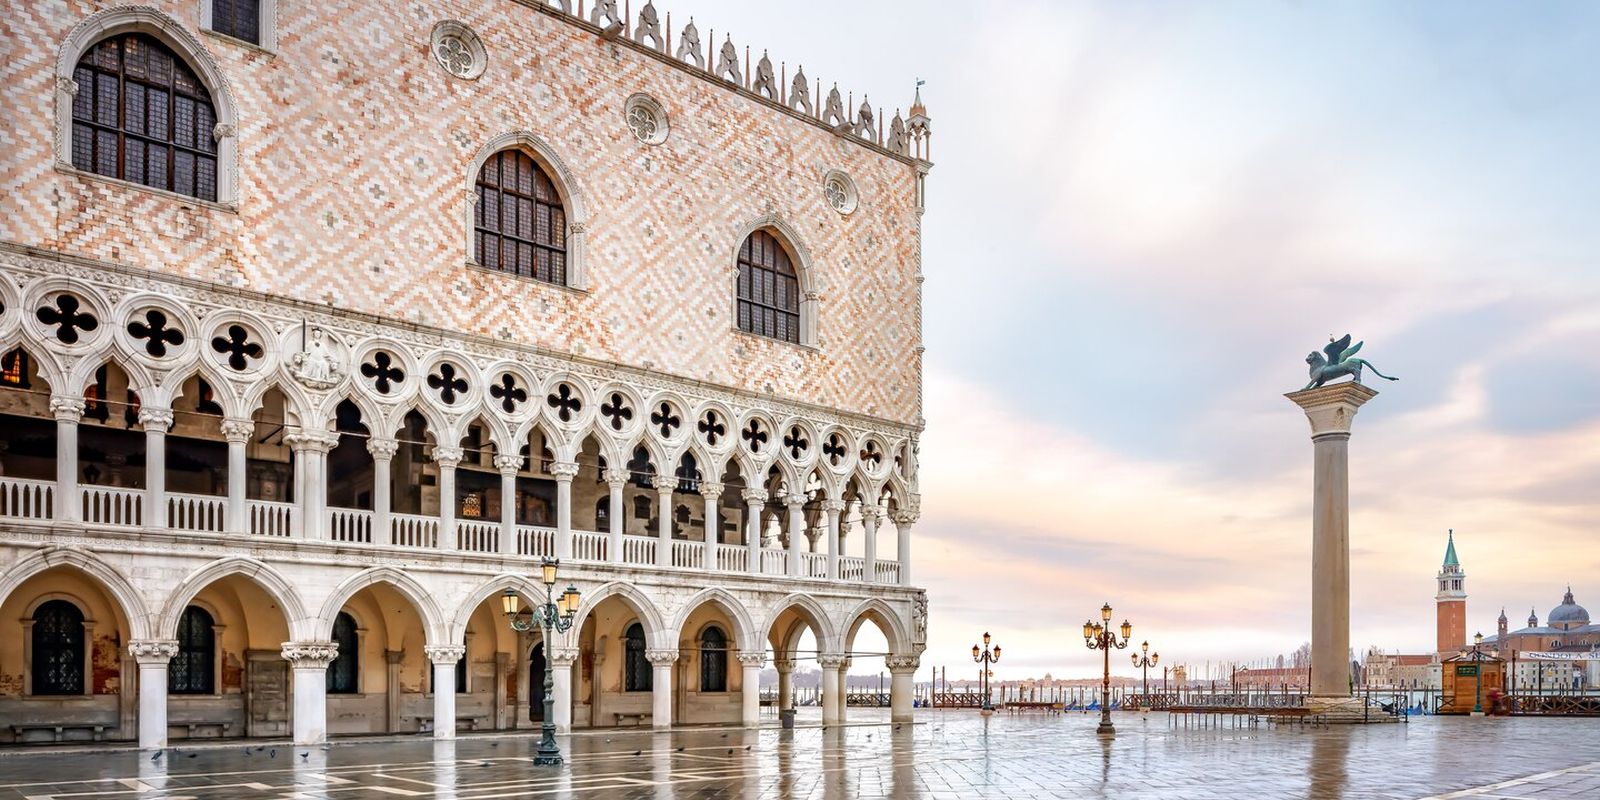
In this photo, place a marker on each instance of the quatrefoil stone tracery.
(796, 442)
(617, 411)
(508, 393)
(458, 50)
(156, 333)
(754, 435)
(833, 448)
(448, 383)
(712, 428)
(68, 318)
(665, 419)
(642, 121)
(566, 402)
(383, 373)
(454, 55)
(238, 348)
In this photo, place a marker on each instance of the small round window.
(840, 192)
(646, 119)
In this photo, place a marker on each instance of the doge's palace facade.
(324, 324)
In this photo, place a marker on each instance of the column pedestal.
(309, 663)
(153, 656)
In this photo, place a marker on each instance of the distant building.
(1451, 602)
(1564, 653)
(1394, 670)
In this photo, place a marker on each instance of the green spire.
(1450, 559)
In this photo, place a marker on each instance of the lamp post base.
(548, 754)
(1105, 728)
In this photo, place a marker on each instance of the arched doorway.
(536, 670)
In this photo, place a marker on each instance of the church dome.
(1568, 614)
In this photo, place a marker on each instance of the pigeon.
(747, 748)
(680, 749)
(260, 747)
(723, 735)
(497, 744)
(304, 756)
(637, 752)
(730, 751)
(156, 757)
(273, 753)
(194, 755)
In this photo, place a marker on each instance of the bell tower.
(1451, 601)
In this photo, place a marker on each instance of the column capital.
(1331, 409)
(310, 655)
(794, 500)
(616, 477)
(564, 470)
(754, 496)
(783, 664)
(383, 447)
(564, 656)
(902, 664)
(152, 651)
(756, 660)
(833, 506)
(508, 463)
(664, 483)
(155, 419)
(442, 654)
(711, 489)
(238, 430)
(311, 441)
(832, 661)
(66, 409)
(904, 516)
(871, 512)
(661, 658)
(448, 456)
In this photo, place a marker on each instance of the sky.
(1143, 215)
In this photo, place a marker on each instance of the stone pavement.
(945, 754)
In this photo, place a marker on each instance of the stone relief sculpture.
(919, 618)
(866, 124)
(833, 111)
(728, 63)
(605, 14)
(316, 367)
(1339, 361)
(800, 92)
(649, 27)
(897, 135)
(689, 46)
(765, 84)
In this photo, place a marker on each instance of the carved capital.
(69, 409)
(904, 516)
(753, 496)
(310, 655)
(448, 456)
(902, 664)
(616, 478)
(155, 419)
(563, 657)
(441, 654)
(564, 470)
(383, 448)
(67, 86)
(661, 658)
(152, 651)
(794, 500)
(756, 660)
(783, 664)
(833, 506)
(832, 661)
(238, 430)
(223, 130)
(710, 490)
(508, 463)
(311, 442)
(871, 513)
(664, 483)
(577, 228)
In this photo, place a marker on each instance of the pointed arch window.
(345, 669)
(141, 115)
(713, 660)
(636, 668)
(57, 649)
(519, 222)
(769, 289)
(193, 669)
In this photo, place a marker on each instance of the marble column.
(564, 472)
(785, 668)
(561, 661)
(448, 458)
(661, 662)
(152, 655)
(311, 464)
(833, 508)
(309, 663)
(902, 688)
(664, 485)
(444, 658)
(238, 432)
(68, 412)
(1331, 409)
(382, 451)
(869, 541)
(797, 530)
(616, 479)
(832, 688)
(750, 687)
(755, 500)
(902, 526)
(711, 493)
(509, 466)
(156, 422)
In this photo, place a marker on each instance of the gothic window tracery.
(142, 115)
(768, 289)
(520, 224)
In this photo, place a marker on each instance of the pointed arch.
(745, 633)
(812, 612)
(887, 620)
(656, 632)
(402, 582)
(258, 572)
(523, 585)
(788, 236)
(566, 185)
(132, 603)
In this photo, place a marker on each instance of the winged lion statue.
(1339, 360)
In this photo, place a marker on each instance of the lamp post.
(1100, 636)
(986, 655)
(1477, 675)
(554, 616)
(1145, 660)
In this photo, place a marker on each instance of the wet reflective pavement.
(945, 754)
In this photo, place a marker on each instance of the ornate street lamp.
(1146, 659)
(1100, 636)
(986, 655)
(554, 616)
(1477, 675)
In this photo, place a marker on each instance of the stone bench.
(465, 722)
(213, 729)
(637, 717)
(96, 732)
